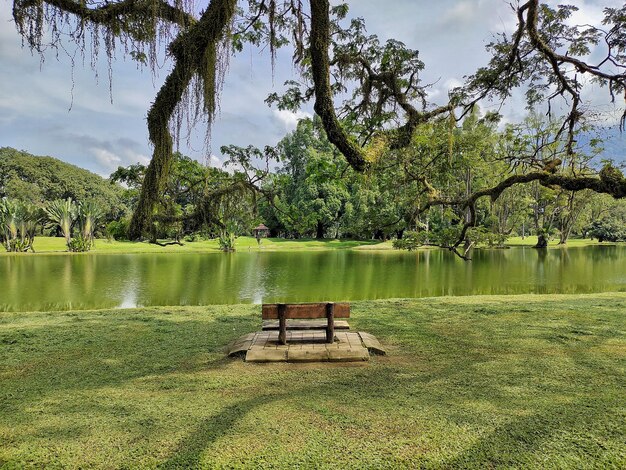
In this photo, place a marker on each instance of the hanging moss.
(320, 67)
(195, 52)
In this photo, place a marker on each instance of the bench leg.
(330, 327)
(282, 324)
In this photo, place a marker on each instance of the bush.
(226, 241)
(79, 244)
(117, 229)
(410, 241)
(605, 230)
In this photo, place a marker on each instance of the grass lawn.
(519, 381)
(243, 244)
(571, 243)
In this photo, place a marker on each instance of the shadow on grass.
(189, 451)
(445, 373)
(341, 243)
(92, 350)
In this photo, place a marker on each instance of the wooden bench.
(284, 312)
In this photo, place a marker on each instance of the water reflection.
(60, 282)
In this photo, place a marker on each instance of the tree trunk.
(542, 241)
(319, 233)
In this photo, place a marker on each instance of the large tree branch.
(324, 107)
(610, 181)
(607, 184)
(189, 50)
(110, 13)
(388, 82)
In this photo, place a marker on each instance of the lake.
(91, 281)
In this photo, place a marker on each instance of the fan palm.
(88, 215)
(18, 222)
(62, 213)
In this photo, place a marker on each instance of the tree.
(545, 55)
(194, 198)
(18, 223)
(39, 179)
(62, 214)
(77, 222)
(312, 191)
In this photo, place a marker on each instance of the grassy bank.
(244, 244)
(571, 243)
(523, 381)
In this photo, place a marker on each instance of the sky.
(48, 108)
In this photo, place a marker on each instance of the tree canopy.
(36, 180)
(546, 56)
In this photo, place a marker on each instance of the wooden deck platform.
(305, 325)
(305, 346)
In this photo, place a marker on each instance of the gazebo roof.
(261, 227)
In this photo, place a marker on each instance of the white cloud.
(450, 35)
(289, 119)
(215, 162)
(107, 159)
(586, 14)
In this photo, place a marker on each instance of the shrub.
(226, 241)
(410, 241)
(117, 229)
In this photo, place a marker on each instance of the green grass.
(243, 244)
(571, 243)
(469, 382)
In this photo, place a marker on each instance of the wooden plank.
(302, 311)
(307, 355)
(330, 328)
(315, 324)
(348, 355)
(372, 344)
(282, 323)
(256, 354)
(240, 345)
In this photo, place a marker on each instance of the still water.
(90, 281)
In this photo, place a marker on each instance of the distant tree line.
(43, 195)
(304, 188)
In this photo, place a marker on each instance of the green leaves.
(75, 219)
(62, 213)
(18, 222)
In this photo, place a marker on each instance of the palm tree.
(62, 213)
(88, 215)
(18, 222)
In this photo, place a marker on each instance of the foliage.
(410, 241)
(88, 214)
(196, 198)
(607, 230)
(77, 222)
(311, 192)
(38, 180)
(117, 229)
(226, 241)
(18, 223)
(62, 214)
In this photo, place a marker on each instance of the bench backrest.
(302, 311)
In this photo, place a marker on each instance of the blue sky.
(36, 97)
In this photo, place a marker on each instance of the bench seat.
(308, 311)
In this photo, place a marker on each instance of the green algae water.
(93, 281)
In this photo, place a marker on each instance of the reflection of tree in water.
(604, 253)
(64, 282)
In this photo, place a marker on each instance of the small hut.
(260, 231)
